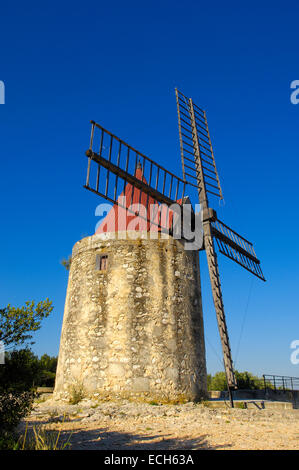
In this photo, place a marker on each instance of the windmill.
(117, 164)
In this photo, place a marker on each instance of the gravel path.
(125, 425)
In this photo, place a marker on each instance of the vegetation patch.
(77, 394)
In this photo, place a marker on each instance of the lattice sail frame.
(115, 162)
(195, 136)
(237, 248)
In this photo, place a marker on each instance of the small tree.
(16, 328)
(218, 381)
(47, 371)
(23, 371)
(20, 372)
(209, 381)
(245, 381)
(248, 381)
(18, 324)
(67, 263)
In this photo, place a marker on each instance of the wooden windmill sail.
(115, 167)
(198, 163)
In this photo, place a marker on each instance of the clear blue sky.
(64, 63)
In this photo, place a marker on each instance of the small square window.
(102, 262)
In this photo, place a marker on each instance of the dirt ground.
(125, 425)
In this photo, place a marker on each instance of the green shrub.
(240, 404)
(23, 370)
(245, 381)
(14, 407)
(76, 394)
(9, 441)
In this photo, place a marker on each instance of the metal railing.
(280, 382)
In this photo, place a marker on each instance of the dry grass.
(39, 438)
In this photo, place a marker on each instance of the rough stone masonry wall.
(135, 330)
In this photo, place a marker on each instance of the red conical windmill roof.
(119, 218)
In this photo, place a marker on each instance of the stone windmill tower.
(133, 324)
